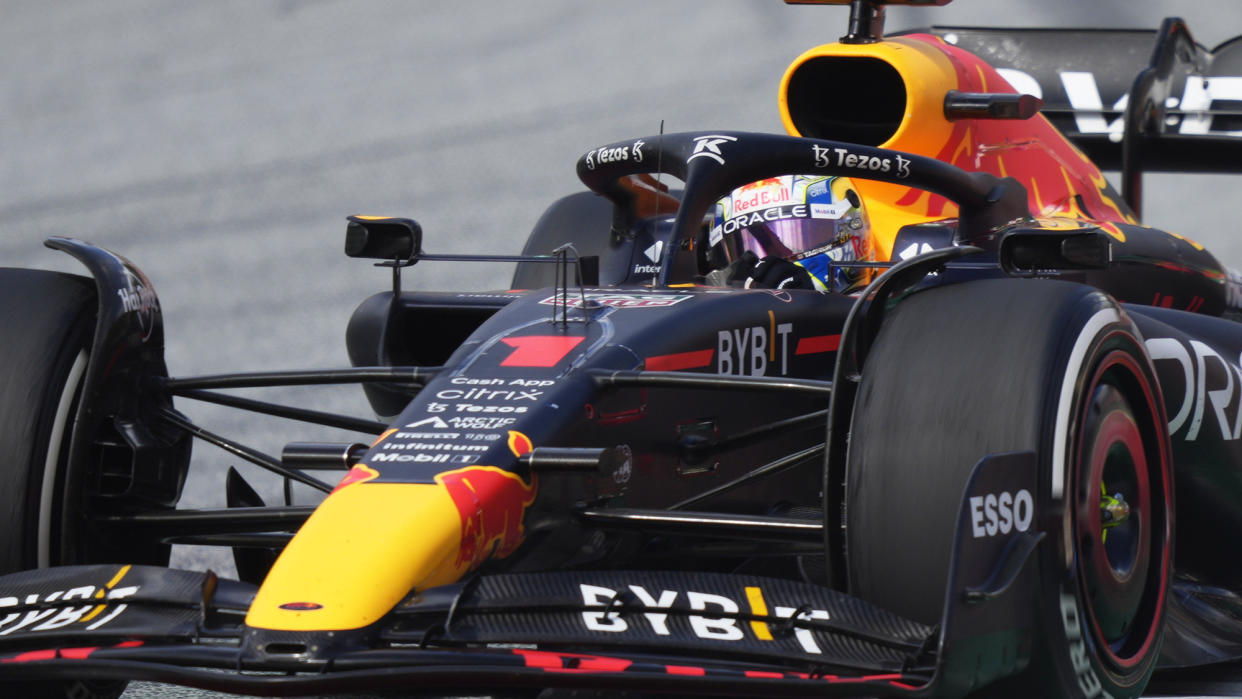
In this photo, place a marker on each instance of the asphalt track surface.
(220, 146)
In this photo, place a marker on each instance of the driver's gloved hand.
(735, 273)
(778, 273)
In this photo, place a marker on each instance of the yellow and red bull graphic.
(1059, 179)
(360, 473)
(371, 542)
(491, 503)
(519, 444)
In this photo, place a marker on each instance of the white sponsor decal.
(489, 409)
(426, 435)
(774, 214)
(831, 211)
(481, 423)
(606, 154)
(95, 610)
(842, 157)
(768, 193)
(1088, 682)
(994, 514)
(914, 250)
(433, 422)
(653, 252)
(709, 147)
(384, 457)
(1233, 289)
(1206, 378)
(705, 626)
(636, 150)
(433, 446)
(1198, 97)
(619, 300)
(488, 394)
(139, 299)
(747, 351)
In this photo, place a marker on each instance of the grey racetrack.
(220, 146)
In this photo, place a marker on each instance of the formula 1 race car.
(1003, 465)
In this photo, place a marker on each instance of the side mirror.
(383, 238)
(1024, 251)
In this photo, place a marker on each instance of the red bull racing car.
(992, 446)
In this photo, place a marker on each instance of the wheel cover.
(1120, 524)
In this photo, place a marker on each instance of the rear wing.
(1132, 100)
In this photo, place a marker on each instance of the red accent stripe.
(818, 344)
(682, 360)
(572, 662)
(685, 670)
(768, 675)
(866, 678)
(29, 656)
(539, 350)
(539, 658)
(77, 653)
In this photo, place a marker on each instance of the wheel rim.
(1120, 519)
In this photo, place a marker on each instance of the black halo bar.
(242, 451)
(312, 416)
(767, 469)
(708, 524)
(684, 379)
(216, 520)
(417, 375)
(249, 540)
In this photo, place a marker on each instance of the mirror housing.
(383, 238)
(1029, 250)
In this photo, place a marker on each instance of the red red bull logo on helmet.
(762, 195)
(491, 502)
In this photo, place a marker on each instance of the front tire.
(994, 366)
(49, 319)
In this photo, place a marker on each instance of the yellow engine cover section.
(891, 94)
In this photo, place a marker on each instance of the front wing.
(653, 630)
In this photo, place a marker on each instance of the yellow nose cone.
(364, 548)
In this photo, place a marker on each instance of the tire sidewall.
(1069, 644)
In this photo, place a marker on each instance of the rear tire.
(1006, 365)
(49, 318)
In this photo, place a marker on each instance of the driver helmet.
(810, 220)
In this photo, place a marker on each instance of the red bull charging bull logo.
(358, 474)
(519, 443)
(491, 502)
